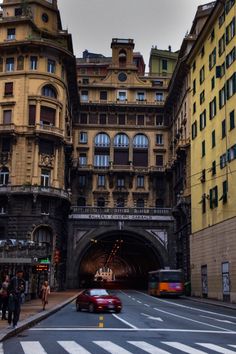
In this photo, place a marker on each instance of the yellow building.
(213, 156)
(38, 95)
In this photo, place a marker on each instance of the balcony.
(49, 129)
(118, 168)
(162, 214)
(7, 128)
(30, 189)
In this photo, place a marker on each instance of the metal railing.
(34, 189)
(121, 211)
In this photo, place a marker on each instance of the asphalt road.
(145, 325)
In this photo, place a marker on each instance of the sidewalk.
(228, 305)
(31, 312)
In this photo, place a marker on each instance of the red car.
(98, 300)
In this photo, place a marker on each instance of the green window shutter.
(211, 202)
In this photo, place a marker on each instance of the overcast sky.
(93, 23)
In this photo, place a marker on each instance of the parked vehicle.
(95, 300)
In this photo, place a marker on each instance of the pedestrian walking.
(45, 291)
(16, 291)
(4, 295)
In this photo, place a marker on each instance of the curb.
(32, 320)
(217, 303)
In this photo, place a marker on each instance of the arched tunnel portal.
(127, 254)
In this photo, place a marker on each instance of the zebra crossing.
(72, 347)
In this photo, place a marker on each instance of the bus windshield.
(171, 277)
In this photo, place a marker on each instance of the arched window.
(122, 57)
(121, 140)
(101, 202)
(140, 141)
(140, 203)
(4, 176)
(81, 201)
(102, 140)
(43, 235)
(120, 203)
(102, 150)
(49, 91)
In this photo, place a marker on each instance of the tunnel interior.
(118, 260)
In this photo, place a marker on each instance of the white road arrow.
(217, 319)
(152, 317)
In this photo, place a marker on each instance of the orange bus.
(165, 282)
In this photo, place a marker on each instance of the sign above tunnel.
(121, 217)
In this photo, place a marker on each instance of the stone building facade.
(38, 97)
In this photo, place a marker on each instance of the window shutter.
(47, 115)
(7, 117)
(121, 157)
(32, 114)
(8, 88)
(140, 158)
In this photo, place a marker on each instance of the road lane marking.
(72, 347)
(152, 317)
(139, 301)
(185, 348)
(32, 347)
(191, 320)
(124, 321)
(149, 348)
(187, 307)
(217, 319)
(147, 305)
(216, 348)
(77, 329)
(111, 347)
(232, 345)
(1, 349)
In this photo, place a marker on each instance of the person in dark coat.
(16, 290)
(4, 297)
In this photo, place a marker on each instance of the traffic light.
(57, 256)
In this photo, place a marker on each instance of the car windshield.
(98, 292)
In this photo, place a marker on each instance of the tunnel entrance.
(126, 256)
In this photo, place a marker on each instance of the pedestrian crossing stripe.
(72, 347)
